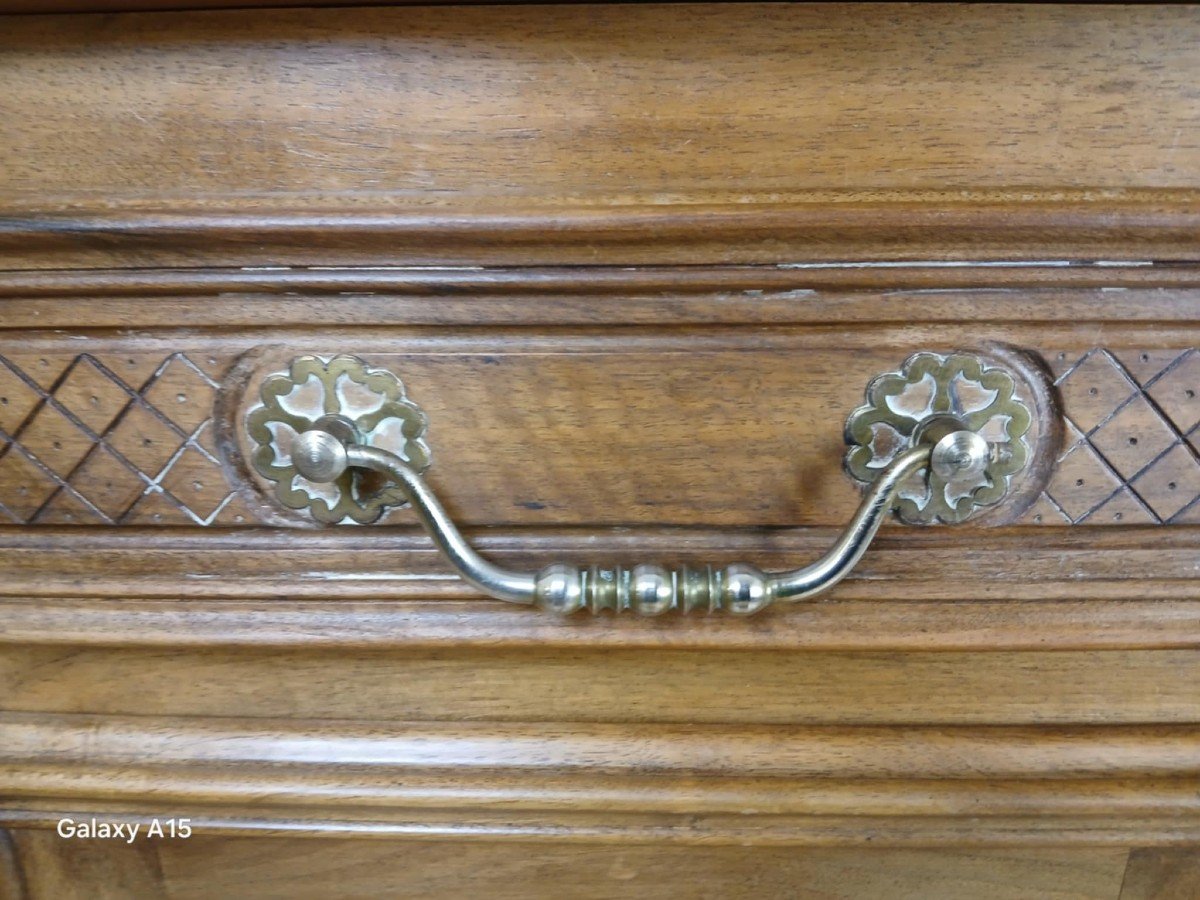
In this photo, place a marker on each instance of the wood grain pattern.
(51, 868)
(1090, 624)
(147, 588)
(652, 428)
(987, 227)
(1161, 874)
(607, 684)
(429, 101)
(638, 273)
(596, 873)
(81, 6)
(346, 564)
(418, 760)
(588, 134)
(806, 294)
(296, 869)
(616, 783)
(12, 882)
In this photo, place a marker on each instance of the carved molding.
(1132, 436)
(488, 780)
(127, 438)
(113, 439)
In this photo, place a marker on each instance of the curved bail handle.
(942, 439)
(322, 454)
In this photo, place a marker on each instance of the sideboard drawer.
(642, 289)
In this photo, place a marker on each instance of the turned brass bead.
(651, 590)
(559, 588)
(744, 590)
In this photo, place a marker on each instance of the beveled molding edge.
(1078, 590)
(844, 626)
(967, 785)
(828, 291)
(1043, 225)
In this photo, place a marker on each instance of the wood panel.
(419, 761)
(110, 6)
(591, 134)
(347, 589)
(289, 868)
(802, 294)
(981, 627)
(907, 565)
(717, 872)
(690, 427)
(12, 886)
(610, 783)
(607, 684)
(48, 867)
(412, 102)
(1162, 874)
(1135, 226)
(638, 274)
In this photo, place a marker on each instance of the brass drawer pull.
(937, 441)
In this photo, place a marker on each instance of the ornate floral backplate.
(372, 401)
(930, 387)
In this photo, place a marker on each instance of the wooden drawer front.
(694, 445)
(637, 275)
(774, 133)
(721, 427)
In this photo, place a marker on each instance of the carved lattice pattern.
(127, 439)
(111, 440)
(1133, 432)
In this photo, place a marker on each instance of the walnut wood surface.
(607, 783)
(600, 134)
(342, 564)
(637, 262)
(297, 868)
(608, 684)
(816, 294)
(342, 589)
(734, 102)
(83, 6)
(1156, 874)
(591, 427)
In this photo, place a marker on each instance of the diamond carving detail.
(111, 440)
(126, 438)
(1133, 432)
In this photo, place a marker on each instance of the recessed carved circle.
(932, 396)
(369, 402)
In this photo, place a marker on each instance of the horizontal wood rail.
(1162, 227)
(761, 786)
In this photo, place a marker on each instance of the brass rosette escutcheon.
(952, 392)
(364, 405)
